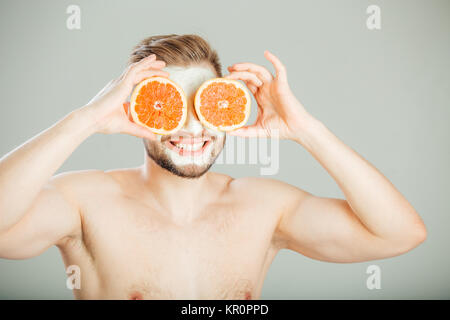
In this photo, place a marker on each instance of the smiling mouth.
(188, 146)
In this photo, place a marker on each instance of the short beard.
(164, 162)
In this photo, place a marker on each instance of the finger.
(251, 131)
(139, 131)
(154, 65)
(146, 63)
(280, 69)
(251, 87)
(146, 60)
(127, 84)
(148, 74)
(140, 63)
(246, 77)
(262, 72)
(158, 64)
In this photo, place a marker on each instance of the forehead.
(191, 77)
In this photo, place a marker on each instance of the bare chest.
(136, 252)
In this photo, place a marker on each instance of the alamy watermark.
(73, 21)
(374, 280)
(74, 279)
(373, 21)
(254, 151)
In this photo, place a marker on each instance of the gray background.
(385, 93)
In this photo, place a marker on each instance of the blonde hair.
(179, 50)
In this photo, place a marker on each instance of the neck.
(179, 197)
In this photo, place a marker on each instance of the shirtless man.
(171, 230)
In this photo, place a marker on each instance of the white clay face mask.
(190, 79)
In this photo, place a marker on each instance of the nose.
(192, 124)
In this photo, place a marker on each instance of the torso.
(129, 249)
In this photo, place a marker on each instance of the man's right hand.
(106, 109)
(36, 210)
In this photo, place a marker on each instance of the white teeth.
(189, 147)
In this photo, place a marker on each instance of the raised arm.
(36, 210)
(373, 222)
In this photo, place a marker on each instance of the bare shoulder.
(85, 182)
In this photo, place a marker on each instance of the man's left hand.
(278, 108)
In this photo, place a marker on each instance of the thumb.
(126, 108)
(249, 132)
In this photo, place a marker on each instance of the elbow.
(420, 234)
(407, 239)
(418, 230)
(415, 236)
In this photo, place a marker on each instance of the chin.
(190, 171)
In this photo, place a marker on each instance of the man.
(171, 230)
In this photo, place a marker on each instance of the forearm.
(25, 170)
(373, 198)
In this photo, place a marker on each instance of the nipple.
(136, 296)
